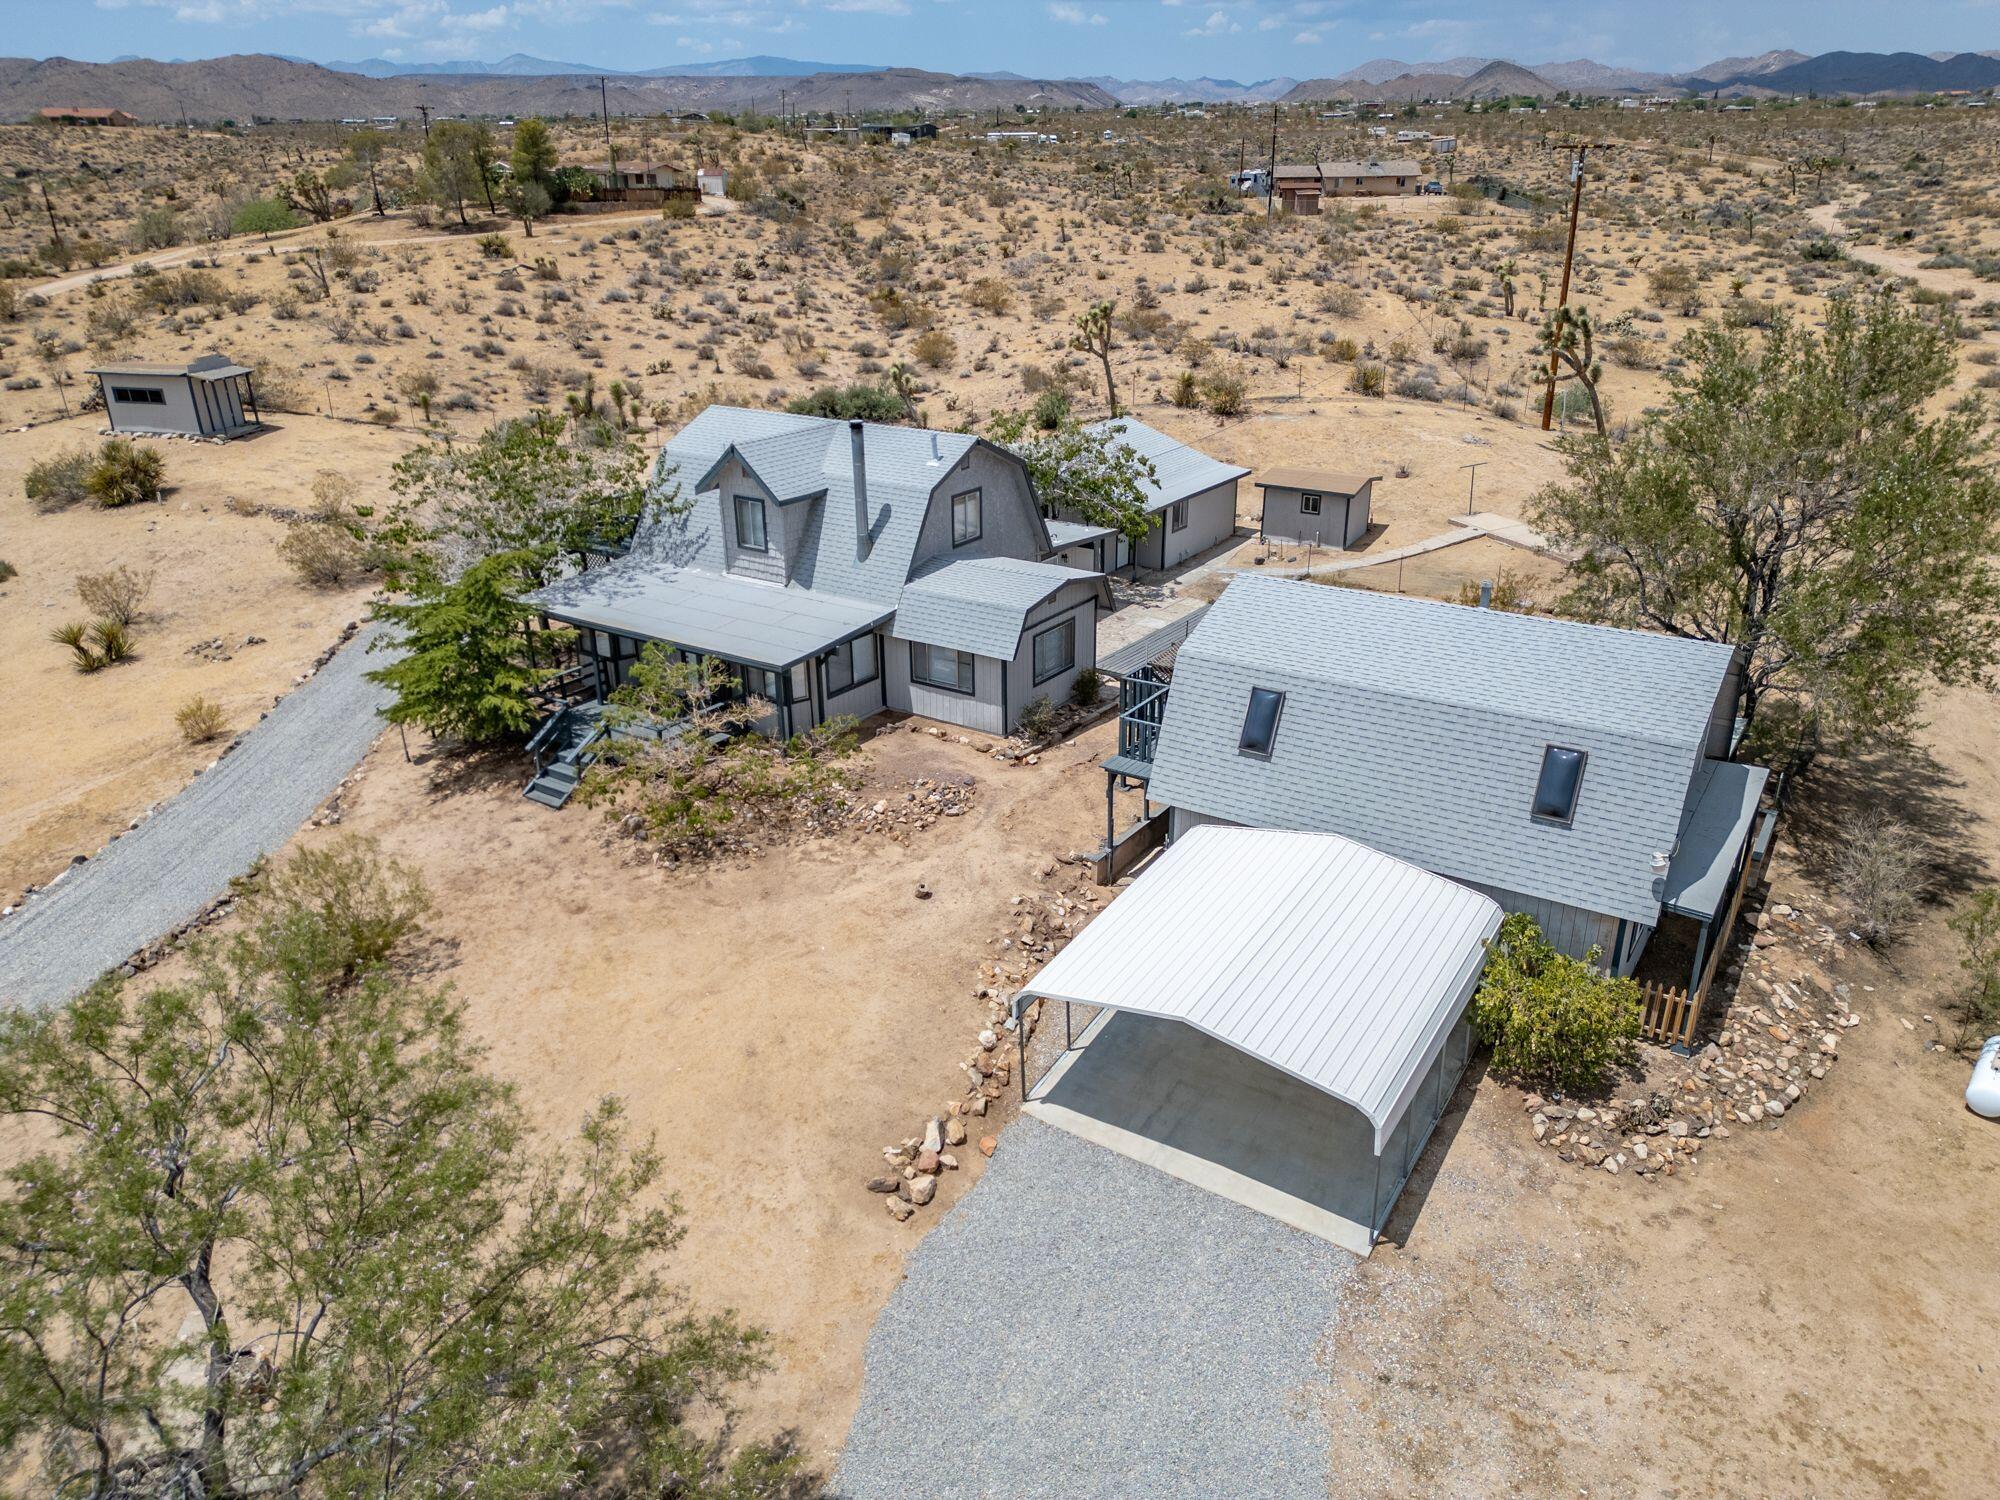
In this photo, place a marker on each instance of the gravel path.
(1082, 1326)
(179, 860)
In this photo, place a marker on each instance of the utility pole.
(610, 151)
(1569, 259)
(424, 114)
(1271, 182)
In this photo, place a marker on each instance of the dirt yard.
(1804, 1314)
(775, 1021)
(86, 754)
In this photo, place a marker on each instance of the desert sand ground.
(780, 1019)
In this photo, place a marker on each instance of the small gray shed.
(206, 397)
(1313, 505)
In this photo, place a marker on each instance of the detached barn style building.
(1315, 505)
(1574, 772)
(1190, 505)
(206, 397)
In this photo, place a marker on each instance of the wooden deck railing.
(1671, 1016)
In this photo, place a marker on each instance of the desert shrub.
(156, 229)
(865, 403)
(935, 349)
(495, 246)
(1223, 393)
(324, 554)
(1821, 247)
(1185, 391)
(8, 571)
(1344, 351)
(1674, 285)
(265, 216)
(200, 720)
(1038, 720)
(1369, 380)
(1051, 409)
(60, 480)
(1975, 1010)
(124, 473)
(172, 291)
(1552, 1020)
(1086, 687)
(117, 595)
(990, 294)
(94, 645)
(1878, 875)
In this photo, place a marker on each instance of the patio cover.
(738, 619)
(1309, 952)
(1721, 810)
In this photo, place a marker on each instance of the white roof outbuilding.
(1341, 966)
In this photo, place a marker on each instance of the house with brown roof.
(1301, 185)
(65, 114)
(1315, 505)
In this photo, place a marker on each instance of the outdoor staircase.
(563, 746)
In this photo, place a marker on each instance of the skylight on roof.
(1260, 722)
(1559, 785)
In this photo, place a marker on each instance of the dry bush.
(60, 480)
(324, 554)
(989, 294)
(1878, 874)
(935, 349)
(200, 720)
(117, 595)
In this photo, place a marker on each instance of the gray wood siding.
(1211, 520)
(1076, 601)
(1010, 524)
(1342, 521)
(769, 566)
(982, 710)
(867, 699)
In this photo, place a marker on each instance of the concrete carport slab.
(1197, 1109)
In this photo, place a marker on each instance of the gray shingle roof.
(1418, 728)
(791, 465)
(742, 619)
(903, 465)
(980, 604)
(1179, 470)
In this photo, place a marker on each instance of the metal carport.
(1321, 990)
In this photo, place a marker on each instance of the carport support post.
(1375, 1201)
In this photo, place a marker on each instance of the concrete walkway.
(175, 863)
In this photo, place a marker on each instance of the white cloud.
(871, 7)
(1307, 39)
(1217, 24)
(1074, 15)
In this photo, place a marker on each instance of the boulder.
(987, 1143)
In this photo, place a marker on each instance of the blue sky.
(1243, 39)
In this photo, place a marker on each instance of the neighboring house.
(206, 397)
(713, 182)
(1313, 505)
(844, 568)
(1190, 506)
(1301, 185)
(1574, 772)
(647, 182)
(68, 115)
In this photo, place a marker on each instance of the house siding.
(1077, 602)
(1342, 521)
(1211, 520)
(1010, 526)
(982, 710)
(178, 415)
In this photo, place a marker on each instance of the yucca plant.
(200, 720)
(76, 636)
(113, 640)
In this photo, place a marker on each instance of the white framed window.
(936, 667)
(966, 522)
(1177, 517)
(851, 664)
(1559, 785)
(1260, 722)
(1308, 505)
(1055, 650)
(750, 533)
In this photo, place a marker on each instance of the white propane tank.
(1982, 1095)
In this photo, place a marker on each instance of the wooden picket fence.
(1667, 1015)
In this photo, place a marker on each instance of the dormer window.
(966, 522)
(750, 533)
(1260, 722)
(1560, 783)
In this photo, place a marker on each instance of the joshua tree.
(1568, 338)
(1093, 336)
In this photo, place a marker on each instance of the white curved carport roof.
(1319, 956)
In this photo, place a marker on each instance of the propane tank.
(1982, 1095)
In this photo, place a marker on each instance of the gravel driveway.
(1083, 1326)
(179, 860)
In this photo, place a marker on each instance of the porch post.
(1700, 953)
(1110, 810)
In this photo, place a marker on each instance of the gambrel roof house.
(1576, 772)
(844, 568)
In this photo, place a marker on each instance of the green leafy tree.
(1977, 928)
(867, 403)
(454, 169)
(533, 158)
(265, 216)
(465, 670)
(369, 152)
(530, 201)
(1080, 472)
(1804, 498)
(1553, 1020)
(538, 486)
(276, 1233)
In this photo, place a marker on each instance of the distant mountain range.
(520, 65)
(274, 88)
(260, 86)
